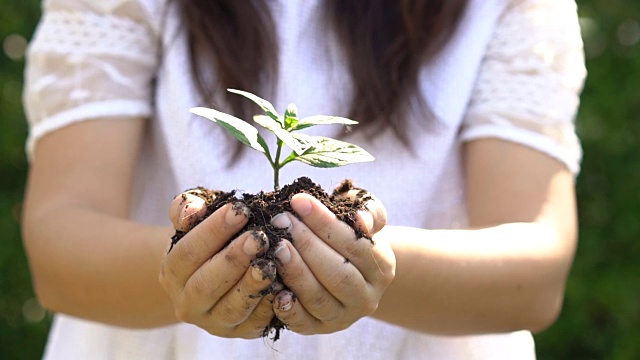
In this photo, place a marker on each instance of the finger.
(294, 315)
(338, 235)
(200, 244)
(186, 209)
(222, 273)
(374, 216)
(257, 325)
(237, 305)
(322, 301)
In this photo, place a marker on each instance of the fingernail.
(302, 207)
(281, 221)
(193, 211)
(282, 253)
(367, 219)
(263, 269)
(237, 213)
(257, 274)
(186, 209)
(284, 301)
(255, 243)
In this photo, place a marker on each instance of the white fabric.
(80, 45)
(513, 71)
(529, 82)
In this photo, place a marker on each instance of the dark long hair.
(385, 41)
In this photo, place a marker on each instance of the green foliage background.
(601, 316)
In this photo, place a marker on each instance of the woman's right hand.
(214, 286)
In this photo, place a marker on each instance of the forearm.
(97, 266)
(496, 279)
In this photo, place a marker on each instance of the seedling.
(317, 151)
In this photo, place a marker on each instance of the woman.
(467, 106)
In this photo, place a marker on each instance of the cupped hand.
(214, 286)
(334, 277)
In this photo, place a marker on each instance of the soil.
(264, 206)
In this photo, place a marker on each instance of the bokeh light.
(15, 46)
(629, 32)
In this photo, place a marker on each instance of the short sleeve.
(87, 60)
(530, 79)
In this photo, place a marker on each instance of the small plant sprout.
(318, 151)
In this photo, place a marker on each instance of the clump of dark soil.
(264, 206)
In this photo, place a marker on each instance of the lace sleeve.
(88, 59)
(527, 90)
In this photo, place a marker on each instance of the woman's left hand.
(335, 278)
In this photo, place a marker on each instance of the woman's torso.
(422, 189)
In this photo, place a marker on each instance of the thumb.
(374, 215)
(187, 209)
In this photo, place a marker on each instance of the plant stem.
(276, 167)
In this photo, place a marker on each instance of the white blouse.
(513, 70)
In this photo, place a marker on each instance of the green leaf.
(323, 120)
(292, 111)
(240, 129)
(264, 104)
(305, 139)
(298, 146)
(328, 153)
(291, 117)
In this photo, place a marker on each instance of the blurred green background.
(601, 316)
